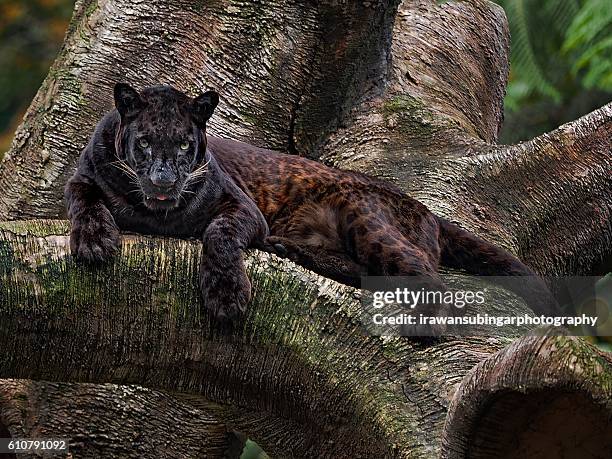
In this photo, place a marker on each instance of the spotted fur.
(147, 170)
(345, 224)
(339, 223)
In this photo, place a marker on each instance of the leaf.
(589, 41)
(525, 64)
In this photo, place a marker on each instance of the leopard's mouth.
(156, 197)
(160, 201)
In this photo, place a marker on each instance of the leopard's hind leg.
(384, 249)
(334, 265)
(374, 242)
(310, 236)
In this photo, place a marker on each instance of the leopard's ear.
(203, 107)
(127, 100)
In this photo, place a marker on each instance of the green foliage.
(525, 60)
(253, 451)
(561, 62)
(31, 33)
(589, 38)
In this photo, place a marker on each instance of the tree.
(31, 32)
(560, 68)
(410, 92)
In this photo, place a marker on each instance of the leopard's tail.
(461, 249)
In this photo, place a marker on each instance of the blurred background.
(561, 60)
(31, 33)
(561, 63)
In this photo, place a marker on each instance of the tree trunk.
(410, 92)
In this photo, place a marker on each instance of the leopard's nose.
(163, 180)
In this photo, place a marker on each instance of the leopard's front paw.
(225, 294)
(284, 248)
(94, 237)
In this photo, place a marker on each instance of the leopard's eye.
(184, 145)
(143, 143)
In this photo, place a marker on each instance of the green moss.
(93, 6)
(7, 257)
(39, 228)
(595, 367)
(400, 104)
(411, 116)
(249, 118)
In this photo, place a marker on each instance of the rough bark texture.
(106, 420)
(411, 92)
(301, 375)
(301, 365)
(371, 86)
(541, 397)
(432, 131)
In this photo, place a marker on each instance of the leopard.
(150, 167)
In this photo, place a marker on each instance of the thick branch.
(301, 365)
(302, 355)
(549, 199)
(432, 128)
(109, 421)
(540, 397)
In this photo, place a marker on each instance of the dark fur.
(341, 224)
(113, 188)
(345, 225)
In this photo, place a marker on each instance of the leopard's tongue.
(161, 197)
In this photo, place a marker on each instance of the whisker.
(132, 176)
(123, 166)
(128, 171)
(198, 172)
(202, 166)
(195, 176)
(195, 179)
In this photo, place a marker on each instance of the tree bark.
(106, 420)
(301, 358)
(534, 399)
(301, 374)
(411, 92)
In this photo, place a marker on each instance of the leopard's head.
(162, 140)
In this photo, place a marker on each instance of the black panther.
(150, 168)
(147, 170)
